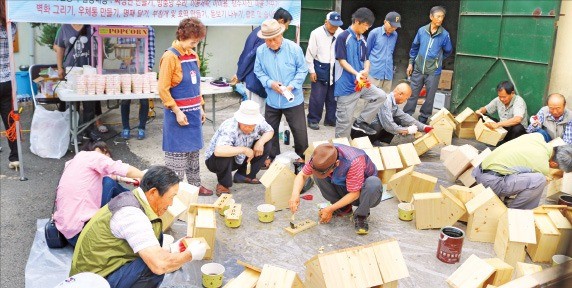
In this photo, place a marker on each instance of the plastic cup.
(232, 223)
(212, 275)
(266, 213)
(405, 211)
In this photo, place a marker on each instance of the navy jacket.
(245, 71)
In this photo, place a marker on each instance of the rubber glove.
(411, 129)
(427, 129)
(534, 121)
(197, 250)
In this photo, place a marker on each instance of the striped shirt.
(355, 177)
(5, 52)
(544, 115)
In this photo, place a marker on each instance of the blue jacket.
(245, 71)
(427, 52)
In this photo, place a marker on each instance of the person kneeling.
(345, 176)
(240, 140)
(122, 242)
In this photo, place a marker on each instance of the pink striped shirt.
(355, 177)
(79, 191)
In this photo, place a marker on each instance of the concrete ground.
(23, 202)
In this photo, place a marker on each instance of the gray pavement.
(23, 202)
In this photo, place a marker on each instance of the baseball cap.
(394, 19)
(335, 18)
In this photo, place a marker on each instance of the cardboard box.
(446, 80)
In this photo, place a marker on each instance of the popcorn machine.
(120, 49)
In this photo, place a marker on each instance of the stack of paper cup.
(137, 83)
(152, 81)
(125, 83)
(91, 80)
(100, 84)
(80, 84)
(112, 84)
(146, 84)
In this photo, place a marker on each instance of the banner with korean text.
(147, 12)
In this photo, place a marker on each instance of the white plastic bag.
(50, 133)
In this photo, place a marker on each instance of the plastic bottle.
(287, 137)
(281, 130)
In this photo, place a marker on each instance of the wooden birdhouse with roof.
(485, 210)
(407, 182)
(391, 162)
(268, 277)
(201, 222)
(503, 272)
(460, 160)
(437, 210)
(426, 142)
(173, 212)
(466, 122)
(473, 273)
(408, 154)
(547, 239)
(379, 264)
(443, 125)
(486, 135)
(279, 181)
(515, 230)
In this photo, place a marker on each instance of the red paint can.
(450, 244)
(565, 200)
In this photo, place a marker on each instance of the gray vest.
(555, 129)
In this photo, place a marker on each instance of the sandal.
(243, 179)
(267, 164)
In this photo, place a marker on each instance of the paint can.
(450, 244)
(405, 211)
(565, 200)
(212, 275)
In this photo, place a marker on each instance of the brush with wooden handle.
(292, 219)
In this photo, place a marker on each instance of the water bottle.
(281, 131)
(287, 137)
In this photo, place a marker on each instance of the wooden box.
(515, 230)
(466, 122)
(425, 143)
(407, 182)
(408, 154)
(503, 272)
(557, 187)
(523, 269)
(460, 160)
(391, 162)
(173, 212)
(473, 273)
(547, 238)
(437, 210)
(565, 229)
(188, 194)
(443, 130)
(447, 151)
(202, 223)
(445, 115)
(371, 265)
(485, 210)
(361, 142)
(375, 156)
(279, 181)
(464, 194)
(341, 140)
(488, 136)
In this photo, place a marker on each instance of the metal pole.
(14, 98)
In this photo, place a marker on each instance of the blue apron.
(187, 95)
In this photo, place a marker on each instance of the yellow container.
(232, 223)
(212, 275)
(228, 204)
(405, 211)
(266, 213)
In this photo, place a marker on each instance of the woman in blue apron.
(179, 89)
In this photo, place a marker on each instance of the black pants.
(223, 166)
(5, 108)
(296, 118)
(380, 135)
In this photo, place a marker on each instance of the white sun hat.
(249, 113)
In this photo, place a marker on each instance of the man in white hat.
(281, 68)
(240, 140)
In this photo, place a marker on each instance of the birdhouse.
(375, 157)
(426, 142)
(202, 223)
(523, 269)
(467, 177)
(565, 229)
(407, 182)
(188, 194)
(443, 129)
(503, 272)
(361, 142)
(173, 212)
(473, 273)
(408, 154)
(276, 277)
(279, 181)
(485, 210)
(515, 229)
(391, 162)
(489, 136)
(437, 210)
(378, 264)
(247, 279)
(445, 115)
(447, 151)
(560, 186)
(310, 150)
(341, 140)
(547, 239)
(460, 160)
(466, 122)
(464, 194)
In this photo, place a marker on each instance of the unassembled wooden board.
(471, 274)
(485, 210)
(301, 226)
(515, 229)
(447, 151)
(361, 142)
(373, 154)
(390, 157)
(503, 272)
(276, 277)
(565, 229)
(523, 269)
(172, 213)
(547, 238)
(408, 154)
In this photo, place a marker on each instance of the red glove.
(182, 246)
(361, 83)
(427, 129)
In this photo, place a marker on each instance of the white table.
(68, 95)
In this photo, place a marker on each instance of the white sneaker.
(14, 165)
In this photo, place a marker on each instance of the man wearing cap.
(245, 70)
(380, 46)
(320, 58)
(431, 45)
(346, 177)
(352, 68)
(281, 68)
(240, 140)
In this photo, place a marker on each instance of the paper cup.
(212, 275)
(266, 213)
(232, 223)
(559, 259)
(228, 204)
(405, 211)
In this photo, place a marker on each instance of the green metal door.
(313, 15)
(503, 40)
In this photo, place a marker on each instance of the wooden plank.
(547, 238)
(363, 267)
(477, 160)
(523, 269)
(521, 226)
(390, 157)
(565, 229)
(361, 142)
(447, 151)
(485, 210)
(341, 140)
(503, 272)
(301, 226)
(471, 274)
(205, 226)
(177, 208)
(467, 177)
(460, 160)
(276, 277)
(390, 261)
(247, 279)
(373, 154)
(335, 270)
(222, 200)
(188, 194)
(408, 154)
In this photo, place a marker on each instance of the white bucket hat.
(249, 113)
(84, 279)
(270, 28)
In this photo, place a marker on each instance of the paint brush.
(292, 225)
